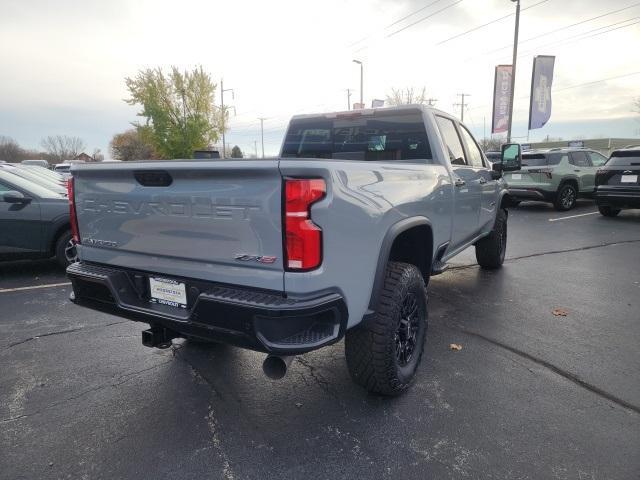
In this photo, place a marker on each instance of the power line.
(396, 22)
(566, 26)
(595, 81)
(584, 35)
(569, 87)
(461, 104)
(487, 24)
(424, 18)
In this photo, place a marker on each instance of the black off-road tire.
(64, 253)
(566, 197)
(490, 250)
(372, 348)
(608, 211)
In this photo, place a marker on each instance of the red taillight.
(73, 219)
(303, 238)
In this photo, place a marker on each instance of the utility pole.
(361, 82)
(462, 105)
(224, 114)
(262, 119)
(513, 69)
(348, 99)
(432, 101)
(255, 147)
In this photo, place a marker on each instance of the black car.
(618, 182)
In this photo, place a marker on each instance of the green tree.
(179, 110)
(236, 152)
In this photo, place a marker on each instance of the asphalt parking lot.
(531, 395)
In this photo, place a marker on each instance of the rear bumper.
(624, 197)
(537, 194)
(255, 319)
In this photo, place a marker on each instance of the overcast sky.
(64, 62)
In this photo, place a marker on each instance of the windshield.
(383, 137)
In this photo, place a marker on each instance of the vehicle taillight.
(303, 238)
(73, 219)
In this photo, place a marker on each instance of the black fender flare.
(385, 250)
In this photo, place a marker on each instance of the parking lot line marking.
(34, 287)
(572, 216)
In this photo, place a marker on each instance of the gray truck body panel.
(216, 210)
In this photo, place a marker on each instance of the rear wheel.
(66, 250)
(490, 250)
(383, 354)
(566, 197)
(608, 211)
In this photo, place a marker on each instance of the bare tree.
(491, 144)
(97, 155)
(62, 147)
(10, 151)
(407, 96)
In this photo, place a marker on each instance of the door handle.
(483, 180)
(460, 182)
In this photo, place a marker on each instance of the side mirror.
(511, 157)
(13, 196)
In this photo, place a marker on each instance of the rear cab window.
(383, 136)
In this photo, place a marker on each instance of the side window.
(597, 160)
(452, 141)
(475, 155)
(579, 159)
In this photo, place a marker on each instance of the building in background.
(602, 145)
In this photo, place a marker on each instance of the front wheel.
(608, 211)
(490, 250)
(383, 354)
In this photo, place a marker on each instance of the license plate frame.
(167, 291)
(629, 179)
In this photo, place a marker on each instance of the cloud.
(67, 60)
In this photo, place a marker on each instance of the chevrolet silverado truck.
(337, 237)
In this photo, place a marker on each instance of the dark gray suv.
(34, 221)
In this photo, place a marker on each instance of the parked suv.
(556, 176)
(618, 182)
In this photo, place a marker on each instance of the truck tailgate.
(215, 220)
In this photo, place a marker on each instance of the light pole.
(262, 119)
(222, 90)
(513, 69)
(361, 82)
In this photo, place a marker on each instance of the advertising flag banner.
(541, 80)
(501, 99)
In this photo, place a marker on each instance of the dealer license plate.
(168, 292)
(629, 179)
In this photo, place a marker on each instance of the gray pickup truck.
(337, 237)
